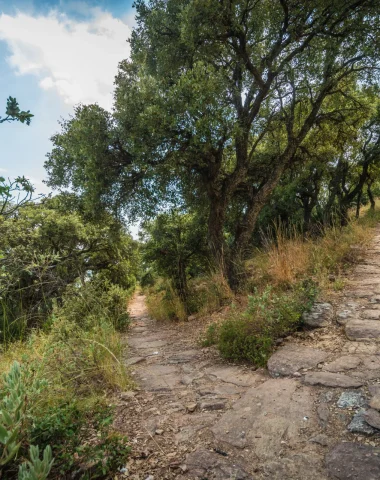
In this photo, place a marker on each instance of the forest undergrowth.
(283, 278)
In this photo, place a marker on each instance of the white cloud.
(76, 58)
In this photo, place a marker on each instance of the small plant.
(36, 469)
(19, 392)
(251, 335)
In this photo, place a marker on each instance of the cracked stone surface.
(329, 379)
(288, 360)
(348, 461)
(341, 364)
(313, 415)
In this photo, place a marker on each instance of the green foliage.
(175, 243)
(68, 426)
(47, 250)
(14, 194)
(251, 335)
(19, 393)
(13, 113)
(85, 305)
(222, 102)
(36, 469)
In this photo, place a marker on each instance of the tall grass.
(285, 276)
(206, 295)
(288, 256)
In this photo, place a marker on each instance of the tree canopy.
(219, 103)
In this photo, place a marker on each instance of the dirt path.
(308, 417)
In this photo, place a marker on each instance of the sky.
(53, 55)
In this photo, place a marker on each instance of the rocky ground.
(312, 415)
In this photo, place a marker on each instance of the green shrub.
(19, 393)
(251, 335)
(68, 427)
(85, 305)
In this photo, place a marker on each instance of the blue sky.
(53, 55)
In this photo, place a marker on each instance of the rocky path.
(313, 415)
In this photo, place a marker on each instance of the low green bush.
(251, 335)
(69, 426)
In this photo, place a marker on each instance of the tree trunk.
(216, 220)
(181, 283)
(358, 204)
(371, 199)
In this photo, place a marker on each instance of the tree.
(14, 114)
(46, 247)
(175, 243)
(17, 192)
(14, 194)
(217, 100)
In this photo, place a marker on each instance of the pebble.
(191, 407)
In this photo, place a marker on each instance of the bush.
(70, 426)
(251, 335)
(163, 303)
(86, 304)
(206, 294)
(77, 357)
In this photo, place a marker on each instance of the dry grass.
(163, 303)
(288, 257)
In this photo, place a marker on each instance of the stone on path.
(231, 374)
(207, 464)
(375, 402)
(371, 314)
(359, 424)
(323, 413)
(347, 362)
(362, 330)
(351, 399)
(292, 358)
(265, 414)
(320, 315)
(364, 293)
(372, 417)
(135, 360)
(321, 439)
(214, 404)
(348, 461)
(297, 466)
(328, 379)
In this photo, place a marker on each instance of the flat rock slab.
(371, 314)
(372, 417)
(319, 316)
(299, 466)
(328, 379)
(233, 375)
(359, 424)
(207, 464)
(361, 293)
(362, 330)
(290, 359)
(341, 364)
(265, 414)
(351, 399)
(135, 360)
(142, 344)
(375, 402)
(352, 461)
(184, 357)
